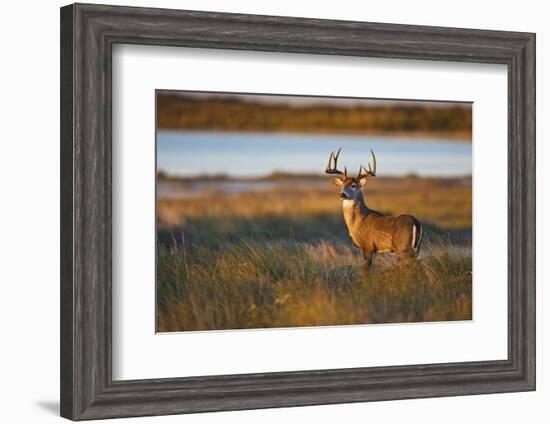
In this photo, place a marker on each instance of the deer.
(371, 231)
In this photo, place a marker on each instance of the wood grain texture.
(66, 212)
(88, 33)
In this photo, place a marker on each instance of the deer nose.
(343, 195)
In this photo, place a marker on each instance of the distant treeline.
(230, 114)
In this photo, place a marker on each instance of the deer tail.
(416, 236)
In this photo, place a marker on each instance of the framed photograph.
(263, 211)
(251, 234)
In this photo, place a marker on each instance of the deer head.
(350, 186)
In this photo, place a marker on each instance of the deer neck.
(354, 212)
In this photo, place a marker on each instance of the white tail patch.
(416, 242)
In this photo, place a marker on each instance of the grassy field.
(278, 255)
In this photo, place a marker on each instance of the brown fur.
(373, 232)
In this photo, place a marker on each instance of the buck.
(371, 231)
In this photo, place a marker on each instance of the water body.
(193, 153)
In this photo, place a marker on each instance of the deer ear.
(338, 182)
(363, 182)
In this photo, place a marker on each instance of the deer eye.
(353, 185)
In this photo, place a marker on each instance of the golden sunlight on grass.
(281, 257)
(444, 202)
(274, 285)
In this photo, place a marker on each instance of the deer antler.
(333, 170)
(368, 172)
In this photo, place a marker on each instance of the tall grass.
(282, 258)
(275, 284)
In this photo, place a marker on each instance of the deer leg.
(368, 256)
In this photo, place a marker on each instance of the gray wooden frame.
(88, 33)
